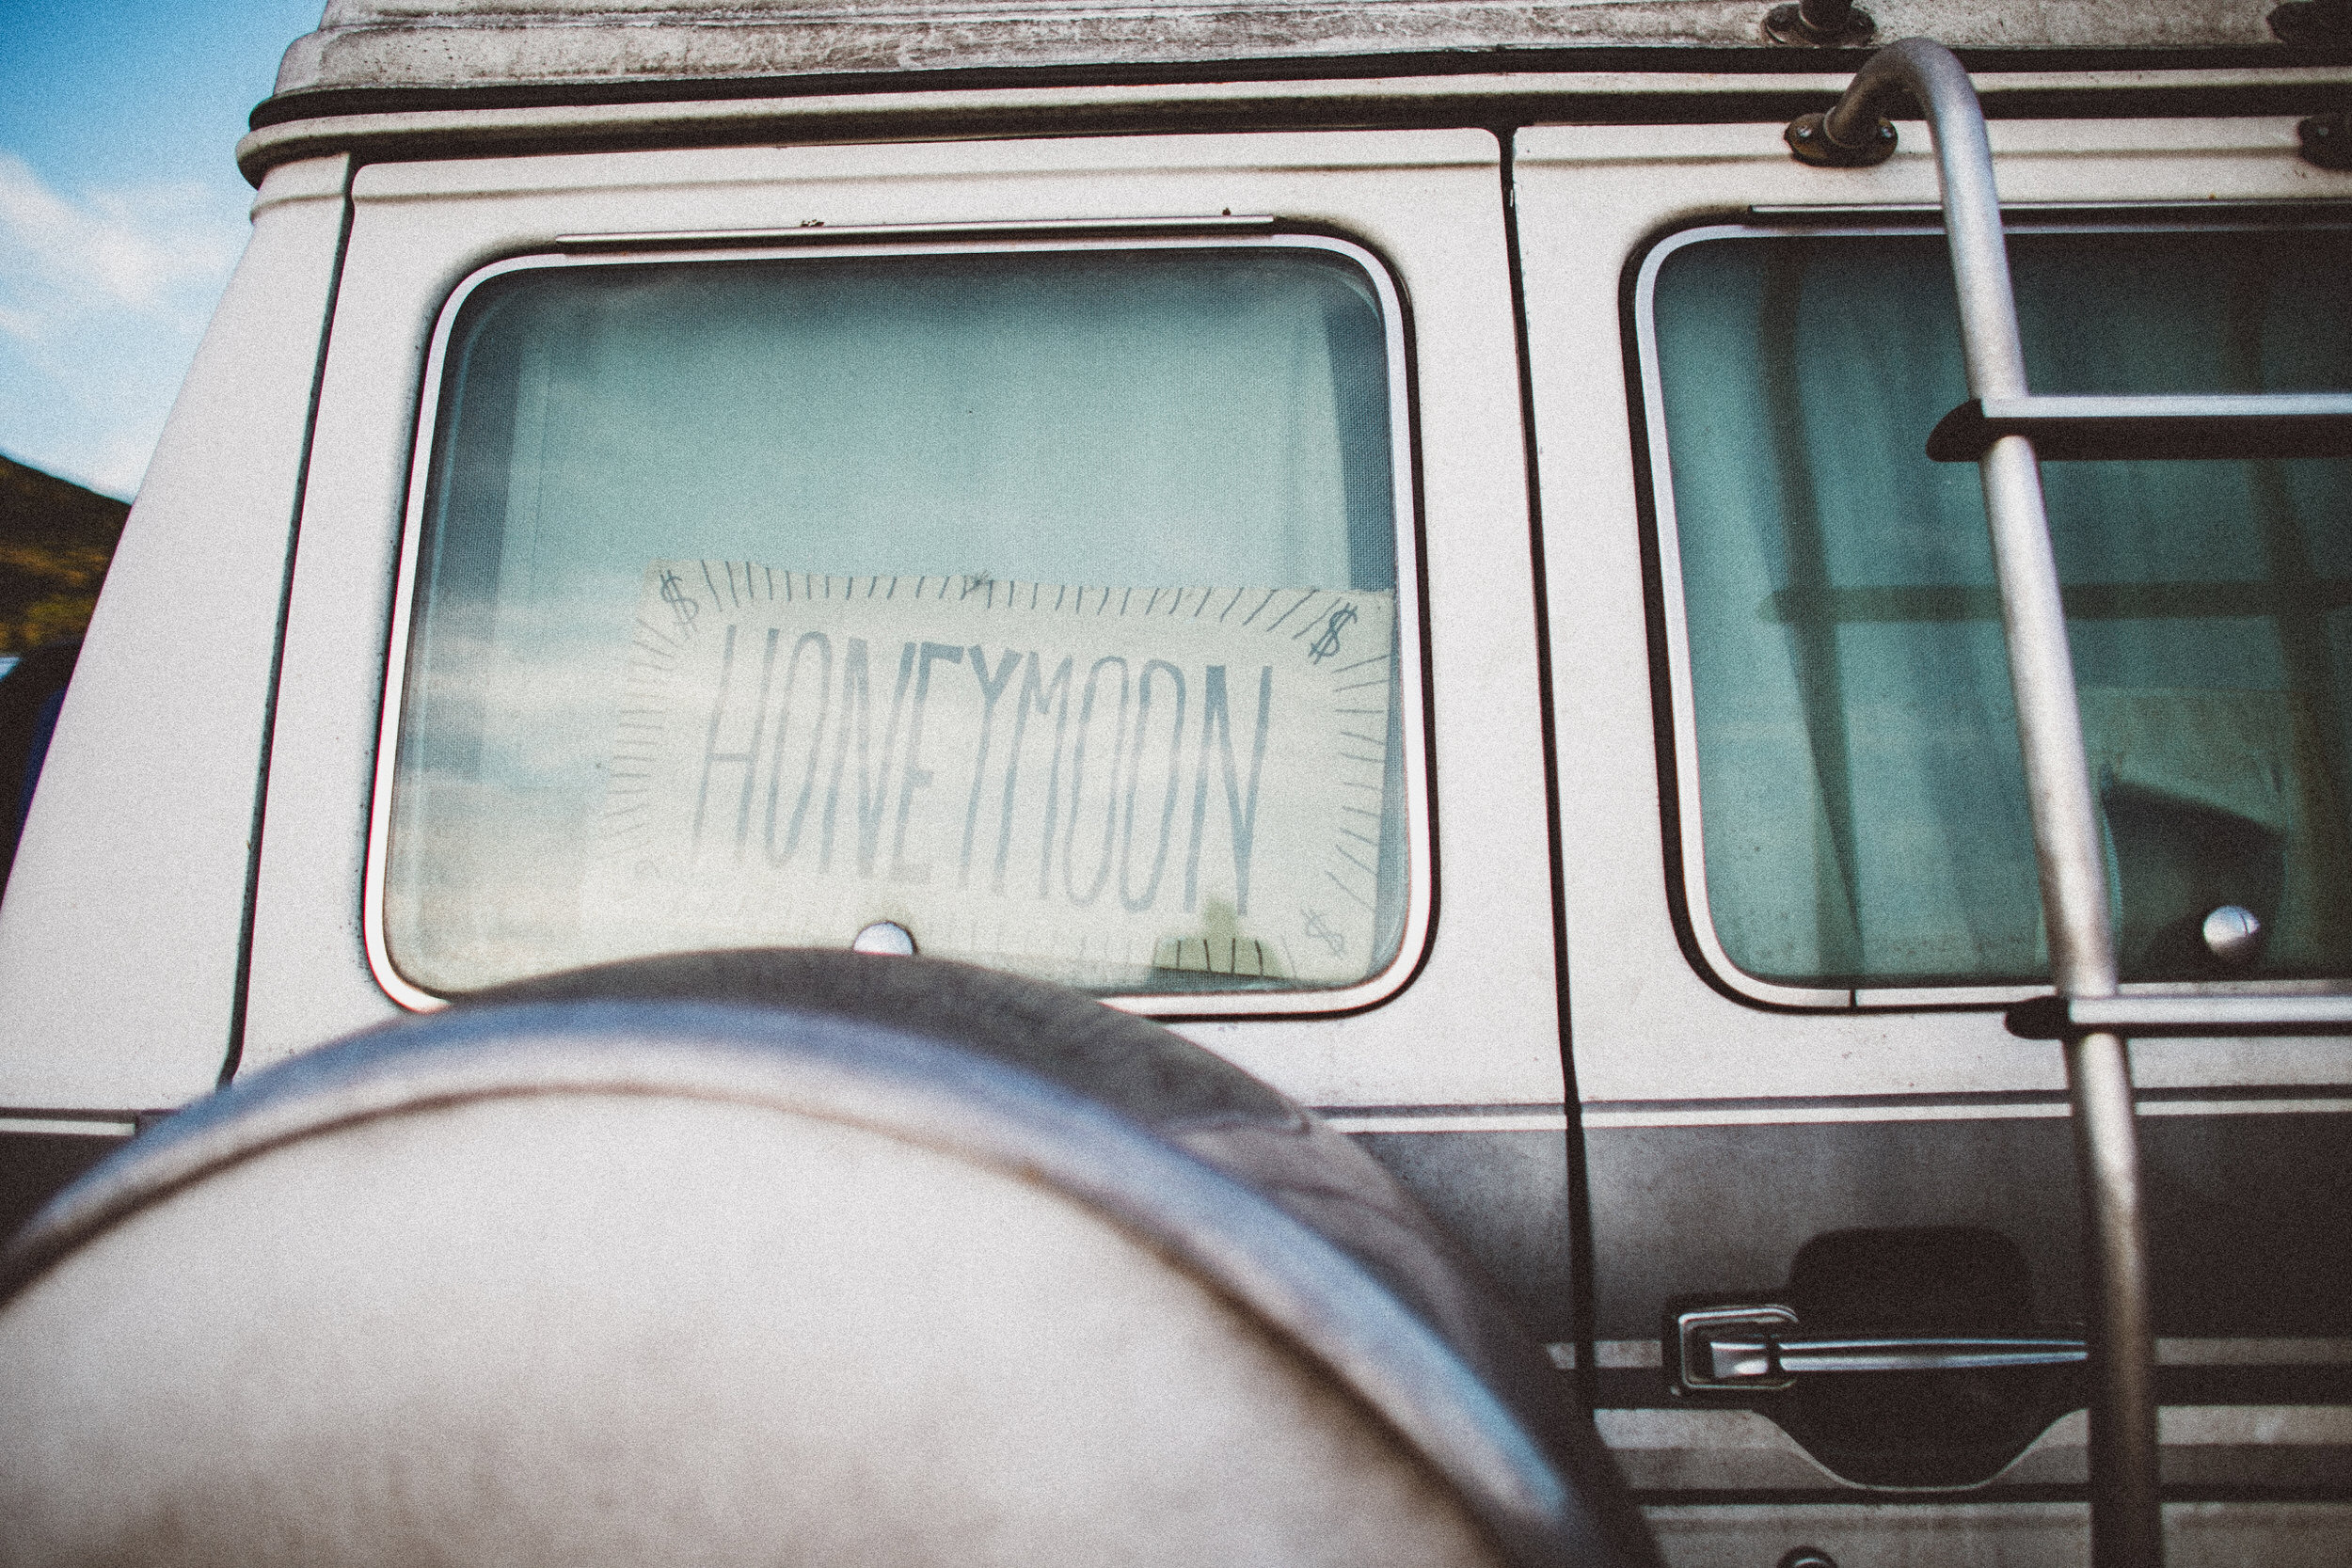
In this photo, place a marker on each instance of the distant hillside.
(56, 539)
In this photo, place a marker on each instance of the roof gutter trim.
(1411, 101)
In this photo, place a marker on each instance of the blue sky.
(121, 212)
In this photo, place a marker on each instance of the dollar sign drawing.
(681, 603)
(1329, 644)
(1322, 933)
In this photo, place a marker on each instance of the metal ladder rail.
(2127, 1518)
(2000, 428)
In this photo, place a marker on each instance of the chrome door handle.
(1720, 1350)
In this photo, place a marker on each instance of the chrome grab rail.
(1919, 1356)
(1723, 1350)
(1739, 1361)
(2126, 1520)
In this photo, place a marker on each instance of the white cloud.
(103, 294)
(135, 247)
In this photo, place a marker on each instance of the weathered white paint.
(1647, 1026)
(1478, 1025)
(119, 940)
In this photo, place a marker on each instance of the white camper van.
(1416, 782)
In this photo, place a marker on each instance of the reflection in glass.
(1864, 809)
(1041, 601)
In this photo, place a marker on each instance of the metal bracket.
(1715, 1348)
(2313, 23)
(2239, 425)
(2195, 1015)
(1821, 23)
(2326, 140)
(1810, 142)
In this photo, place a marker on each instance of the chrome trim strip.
(2227, 206)
(1664, 1450)
(71, 1126)
(1535, 1119)
(2335, 1105)
(1944, 996)
(1686, 743)
(2006, 996)
(1597, 1115)
(2254, 1353)
(2053, 1109)
(1420, 827)
(813, 232)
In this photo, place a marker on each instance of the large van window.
(1041, 601)
(1862, 818)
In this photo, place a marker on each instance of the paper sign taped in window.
(1080, 779)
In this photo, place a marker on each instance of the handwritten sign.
(1072, 780)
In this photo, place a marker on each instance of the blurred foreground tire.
(780, 1258)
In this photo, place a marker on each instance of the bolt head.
(2233, 933)
(884, 936)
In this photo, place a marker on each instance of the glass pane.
(1042, 602)
(1863, 803)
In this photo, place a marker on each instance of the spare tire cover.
(776, 1257)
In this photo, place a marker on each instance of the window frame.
(1686, 828)
(1127, 235)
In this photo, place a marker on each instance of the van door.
(1802, 891)
(1102, 558)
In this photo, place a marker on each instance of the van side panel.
(1477, 1025)
(119, 953)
